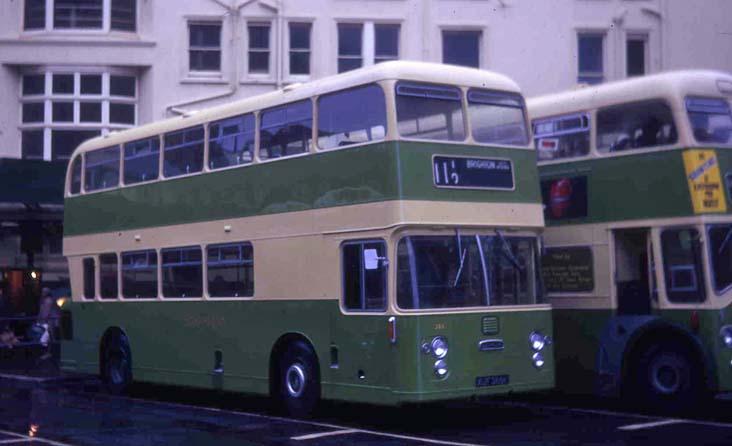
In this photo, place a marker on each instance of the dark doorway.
(632, 271)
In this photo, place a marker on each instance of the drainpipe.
(233, 11)
(280, 55)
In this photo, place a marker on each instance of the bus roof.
(677, 84)
(403, 70)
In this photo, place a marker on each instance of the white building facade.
(71, 69)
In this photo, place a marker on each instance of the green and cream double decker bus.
(369, 237)
(636, 180)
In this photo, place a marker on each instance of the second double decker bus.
(367, 237)
(636, 178)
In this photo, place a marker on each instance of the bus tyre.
(667, 379)
(117, 365)
(299, 386)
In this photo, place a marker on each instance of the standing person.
(47, 320)
(7, 337)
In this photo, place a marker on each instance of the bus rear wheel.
(116, 365)
(299, 381)
(667, 379)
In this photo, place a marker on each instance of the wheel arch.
(111, 333)
(664, 331)
(276, 352)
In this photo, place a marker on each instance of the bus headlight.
(441, 369)
(537, 341)
(538, 360)
(726, 334)
(439, 347)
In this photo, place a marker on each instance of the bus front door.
(633, 271)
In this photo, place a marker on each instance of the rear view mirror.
(370, 259)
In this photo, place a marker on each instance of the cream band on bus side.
(705, 182)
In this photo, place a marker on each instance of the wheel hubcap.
(295, 380)
(666, 378)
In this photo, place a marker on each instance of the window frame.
(701, 280)
(467, 131)
(605, 152)
(598, 76)
(384, 268)
(583, 115)
(194, 72)
(259, 50)
(207, 279)
(106, 20)
(292, 50)
(42, 79)
(479, 31)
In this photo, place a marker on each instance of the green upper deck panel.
(635, 186)
(394, 170)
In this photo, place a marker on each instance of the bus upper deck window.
(142, 160)
(183, 152)
(711, 120)
(286, 130)
(635, 125)
(430, 112)
(101, 169)
(231, 141)
(497, 117)
(566, 136)
(75, 187)
(351, 117)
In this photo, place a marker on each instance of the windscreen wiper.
(724, 242)
(508, 252)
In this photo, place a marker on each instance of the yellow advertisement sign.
(705, 182)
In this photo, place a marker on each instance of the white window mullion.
(368, 44)
(47, 143)
(49, 14)
(106, 15)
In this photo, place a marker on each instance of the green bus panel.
(579, 332)
(365, 174)
(175, 343)
(633, 187)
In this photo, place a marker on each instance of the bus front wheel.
(667, 380)
(299, 383)
(116, 365)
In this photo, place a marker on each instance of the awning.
(31, 189)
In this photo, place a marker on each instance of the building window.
(204, 46)
(259, 47)
(32, 144)
(124, 15)
(300, 48)
(386, 42)
(363, 44)
(34, 15)
(59, 111)
(77, 14)
(590, 58)
(102, 15)
(349, 46)
(461, 48)
(635, 55)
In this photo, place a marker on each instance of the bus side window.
(89, 282)
(351, 117)
(635, 125)
(682, 263)
(101, 169)
(108, 276)
(364, 276)
(565, 136)
(286, 130)
(230, 270)
(183, 153)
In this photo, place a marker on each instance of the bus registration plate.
(472, 173)
(494, 380)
